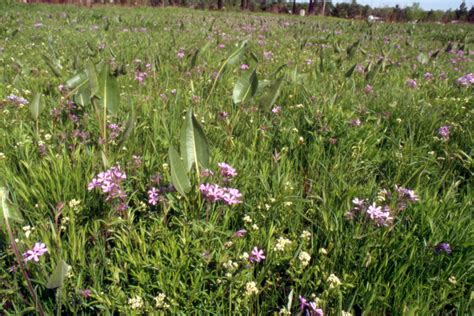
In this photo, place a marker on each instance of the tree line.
(348, 10)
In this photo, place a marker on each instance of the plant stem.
(19, 259)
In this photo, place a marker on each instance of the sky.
(425, 4)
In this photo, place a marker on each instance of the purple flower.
(443, 131)
(226, 170)
(140, 76)
(310, 307)
(207, 173)
(221, 46)
(109, 182)
(303, 303)
(180, 54)
(240, 233)
(443, 247)
(223, 115)
(466, 80)
(256, 255)
(17, 100)
(267, 55)
(244, 67)
(86, 293)
(379, 216)
(38, 250)
(211, 192)
(153, 196)
(276, 109)
(360, 68)
(428, 76)
(368, 89)
(411, 83)
(231, 196)
(358, 204)
(355, 122)
(407, 194)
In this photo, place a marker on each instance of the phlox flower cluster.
(443, 131)
(256, 255)
(38, 250)
(383, 215)
(141, 75)
(110, 183)
(466, 80)
(216, 193)
(310, 307)
(17, 100)
(226, 171)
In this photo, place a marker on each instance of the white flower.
(255, 227)
(333, 281)
(344, 313)
(69, 272)
(230, 265)
(306, 235)
(323, 251)
(2, 156)
(47, 137)
(251, 288)
(28, 230)
(244, 256)
(247, 219)
(452, 279)
(304, 258)
(74, 203)
(135, 302)
(160, 301)
(281, 243)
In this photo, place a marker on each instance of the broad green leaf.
(93, 80)
(246, 87)
(422, 58)
(350, 71)
(129, 126)
(83, 95)
(179, 177)
(193, 143)
(373, 72)
(54, 66)
(197, 53)
(236, 55)
(8, 211)
(270, 97)
(76, 80)
(351, 50)
(290, 300)
(280, 68)
(108, 91)
(36, 106)
(56, 279)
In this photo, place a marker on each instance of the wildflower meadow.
(183, 162)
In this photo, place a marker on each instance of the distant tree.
(311, 6)
(415, 12)
(470, 15)
(461, 13)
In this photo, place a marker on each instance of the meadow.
(176, 161)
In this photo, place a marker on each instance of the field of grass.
(188, 162)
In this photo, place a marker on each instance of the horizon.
(424, 4)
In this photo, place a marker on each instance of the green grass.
(298, 170)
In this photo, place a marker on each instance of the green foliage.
(347, 126)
